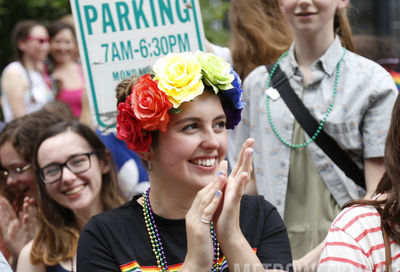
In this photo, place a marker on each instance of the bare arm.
(85, 117)
(373, 170)
(309, 262)
(24, 263)
(14, 84)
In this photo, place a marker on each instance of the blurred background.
(376, 17)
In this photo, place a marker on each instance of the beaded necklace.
(155, 238)
(322, 123)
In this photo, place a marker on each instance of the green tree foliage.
(13, 11)
(215, 20)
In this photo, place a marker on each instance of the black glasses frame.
(65, 164)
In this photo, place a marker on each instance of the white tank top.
(35, 96)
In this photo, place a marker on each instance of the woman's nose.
(67, 175)
(210, 139)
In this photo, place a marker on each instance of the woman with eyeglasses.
(25, 84)
(76, 180)
(18, 190)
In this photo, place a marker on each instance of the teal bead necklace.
(155, 238)
(322, 123)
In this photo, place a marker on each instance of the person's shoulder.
(26, 250)
(24, 262)
(254, 204)
(13, 69)
(360, 215)
(112, 217)
(221, 51)
(256, 73)
(256, 79)
(369, 66)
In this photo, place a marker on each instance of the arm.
(24, 263)
(342, 253)
(85, 117)
(309, 262)
(14, 85)
(373, 170)
(238, 252)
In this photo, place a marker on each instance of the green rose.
(216, 72)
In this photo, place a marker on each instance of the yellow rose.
(179, 76)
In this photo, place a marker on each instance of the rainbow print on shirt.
(396, 77)
(135, 267)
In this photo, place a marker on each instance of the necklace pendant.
(272, 93)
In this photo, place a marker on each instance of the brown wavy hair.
(259, 34)
(389, 208)
(58, 234)
(342, 27)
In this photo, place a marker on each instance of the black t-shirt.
(117, 240)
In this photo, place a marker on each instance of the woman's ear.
(280, 5)
(147, 156)
(21, 44)
(342, 4)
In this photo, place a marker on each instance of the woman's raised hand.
(200, 252)
(19, 229)
(227, 216)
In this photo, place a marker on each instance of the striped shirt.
(355, 243)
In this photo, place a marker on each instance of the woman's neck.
(29, 64)
(170, 203)
(66, 65)
(310, 48)
(83, 216)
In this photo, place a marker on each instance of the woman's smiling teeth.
(74, 190)
(207, 163)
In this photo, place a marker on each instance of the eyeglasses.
(77, 164)
(14, 172)
(39, 39)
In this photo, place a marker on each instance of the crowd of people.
(205, 173)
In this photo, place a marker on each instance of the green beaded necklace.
(321, 124)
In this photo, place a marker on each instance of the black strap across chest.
(331, 148)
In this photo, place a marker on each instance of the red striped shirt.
(355, 243)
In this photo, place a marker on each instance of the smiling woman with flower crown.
(194, 217)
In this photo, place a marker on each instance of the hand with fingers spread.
(198, 225)
(17, 229)
(227, 218)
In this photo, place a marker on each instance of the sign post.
(120, 39)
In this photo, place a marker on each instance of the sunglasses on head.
(39, 39)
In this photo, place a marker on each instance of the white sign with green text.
(119, 39)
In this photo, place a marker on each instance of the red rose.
(150, 104)
(130, 130)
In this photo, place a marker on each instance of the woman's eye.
(190, 127)
(221, 124)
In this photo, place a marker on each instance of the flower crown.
(178, 78)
